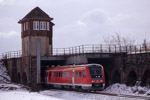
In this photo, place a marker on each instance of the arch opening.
(116, 77)
(24, 78)
(107, 82)
(146, 78)
(14, 75)
(19, 78)
(131, 78)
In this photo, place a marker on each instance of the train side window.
(59, 74)
(76, 74)
(49, 74)
(67, 74)
(54, 74)
(79, 74)
(64, 74)
(84, 75)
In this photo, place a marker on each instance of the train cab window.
(46, 74)
(84, 75)
(79, 74)
(76, 74)
(67, 74)
(49, 74)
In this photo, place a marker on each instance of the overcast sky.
(77, 22)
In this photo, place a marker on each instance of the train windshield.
(95, 71)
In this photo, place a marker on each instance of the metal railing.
(102, 49)
(132, 49)
(12, 54)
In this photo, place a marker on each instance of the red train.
(85, 77)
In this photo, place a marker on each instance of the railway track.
(125, 96)
(119, 96)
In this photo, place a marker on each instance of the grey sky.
(77, 22)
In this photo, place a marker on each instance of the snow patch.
(4, 77)
(127, 90)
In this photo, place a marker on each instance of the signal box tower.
(36, 34)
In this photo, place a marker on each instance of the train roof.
(71, 66)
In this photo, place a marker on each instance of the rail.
(133, 49)
(12, 54)
(82, 49)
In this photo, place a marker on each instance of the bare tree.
(117, 39)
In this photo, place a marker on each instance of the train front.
(97, 77)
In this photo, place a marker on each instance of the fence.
(102, 49)
(133, 49)
(12, 54)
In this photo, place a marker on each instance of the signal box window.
(76, 74)
(42, 25)
(36, 25)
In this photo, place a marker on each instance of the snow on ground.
(57, 95)
(9, 86)
(22, 95)
(3, 73)
(127, 90)
(12, 91)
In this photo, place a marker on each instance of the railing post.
(140, 49)
(145, 48)
(126, 49)
(115, 48)
(101, 48)
(57, 51)
(69, 52)
(120, 49)
(109, 49)
(135, 49)
(83, 49)
(64, 51)
(92, 48)
(72, 51)
(79, 49)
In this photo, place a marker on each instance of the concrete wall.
(76, 59)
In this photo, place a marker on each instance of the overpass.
(123, 64)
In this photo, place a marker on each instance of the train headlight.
(93, 81)
(104, 85)
(101, 80)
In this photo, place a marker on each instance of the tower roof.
(36, 13)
